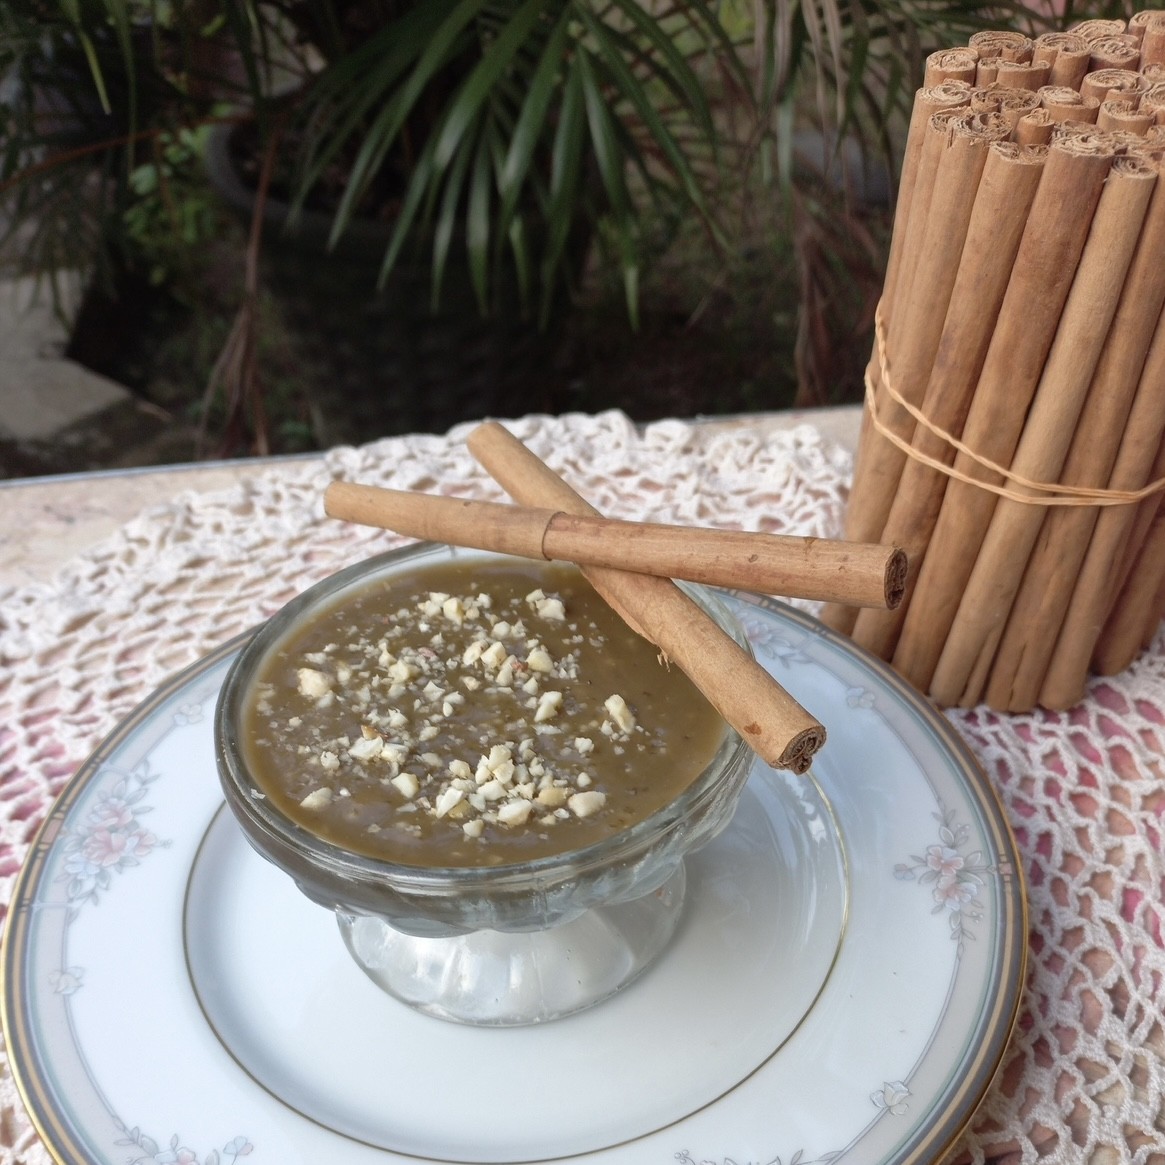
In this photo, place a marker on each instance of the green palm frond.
(599, 88)
(494, 132)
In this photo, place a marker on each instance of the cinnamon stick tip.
(896, 570)
(331, 490)
(799, 752)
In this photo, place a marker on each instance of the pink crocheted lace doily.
(1084, 1077)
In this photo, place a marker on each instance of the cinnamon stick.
(1066, 104)
(1004, 197)
(1034, 128)
(1123, 116)
(1141, 20)
(863, 524)
(1013, 103)
(1006, 546)
(955, 64)
(953, 157)
(1109, 83)
(988, 71)
(1023, 74)
(1018, 671)
(765, 715)
(1114, 52)
(1045, 265)
(1006, 44)
(1153, 99)
(1153, 41)
(1138, 607)
(1099, 28)
(806, 568)
(1145, 514)
(934, 137)
(927, 101)
(1068, 55)
(958, 145)
(1092, 597)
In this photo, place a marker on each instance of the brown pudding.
(470, 714)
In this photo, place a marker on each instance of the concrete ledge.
(41, 392)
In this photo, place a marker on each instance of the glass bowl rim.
(330, 591)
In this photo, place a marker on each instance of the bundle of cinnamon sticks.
(1013, 441)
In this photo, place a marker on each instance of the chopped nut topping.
(515, 812)
(494, 655)
(369, 748)
(407, 785)
(539, 660)
(549, 705)
(623, 717)
(447, 800)
(584, 804)
(313, 683)
(317, 798)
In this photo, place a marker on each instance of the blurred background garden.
(296, 223)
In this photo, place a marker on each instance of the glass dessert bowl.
(502, 939)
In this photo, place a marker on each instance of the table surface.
(1084, 1078)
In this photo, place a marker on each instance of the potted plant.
(484, 138)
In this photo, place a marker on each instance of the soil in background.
(338, 364)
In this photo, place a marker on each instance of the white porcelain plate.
(841, 988)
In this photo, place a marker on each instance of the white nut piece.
(317, 799)
(549, 705)
(407, 785)
(402, 671)
(494, 655)
(313, 683)
(447, 800)
(586, 804)
(515, 812)
(617, 709)
(540, 660)
(498, 755)
(367, 748)
(552, 609)
(395, 754)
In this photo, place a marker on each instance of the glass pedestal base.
(498, 979)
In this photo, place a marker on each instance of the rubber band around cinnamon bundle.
(1058, 493)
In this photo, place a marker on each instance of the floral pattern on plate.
(142, 801)
(112, 837)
